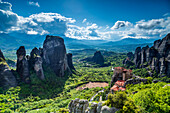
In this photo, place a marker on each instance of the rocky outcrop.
(137, 59)
(7, 79)
(54, 55)
(78, 106)
(70, 62)
(22, 65)
(135, 80)
(35, 62)
(82, 106)
(128, 61)
(130, 55)
(157, 56)
(98, 58)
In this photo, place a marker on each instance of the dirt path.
(92, 85)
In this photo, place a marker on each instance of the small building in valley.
(119, 77)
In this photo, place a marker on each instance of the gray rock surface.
(54, 55)
(78, 106)
(137, 59)
(70, 62)
(135, 80)
(157, 57)
(22, 65)
(35, 62)
(106, 109)
(7, 79)
(98, 58)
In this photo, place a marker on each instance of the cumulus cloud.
(84, 20)
(56, 24)
(120, 24)
(8, 18)
(43, 23)
(149, 24)
(5, 6)
(34, 3)
(35, 24)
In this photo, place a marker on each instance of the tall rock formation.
(7, 79)
(98, 58)
(157, 57)
(70, 62)
(36, 63)
(22, 65)
(128, 61)
(54, 55)
(137, 59)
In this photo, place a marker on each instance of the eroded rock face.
(22, 65)
(98, 58)
(36, 63)
(7, 79)
(130, 55)
(137, 59)
(143, 54)
(70, 62)
(54, 54)
(157, 57)
(135, 80)
(78, 106)
(82, 106)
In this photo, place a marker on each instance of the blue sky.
(103, 17)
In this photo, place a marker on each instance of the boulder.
(99, 107)
(98, 58)
(22, 65)
(35, 62)
(54, 55)
(106, 109)
(7, 79)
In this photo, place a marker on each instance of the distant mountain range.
(14, 41)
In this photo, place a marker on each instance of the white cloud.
(5, 6)
(56, 24)
(7, 17)
(149, 24)
(84, 20)
(34, 3)
(44, 23)
(120, 24)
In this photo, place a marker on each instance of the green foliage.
(63, 110)
(141, 72)
(155, 99)
(116, 100)
(120, 100)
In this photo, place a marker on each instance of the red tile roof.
(118, 86)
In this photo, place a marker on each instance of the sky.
(87, 19)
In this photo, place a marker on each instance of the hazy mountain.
(128, 41)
